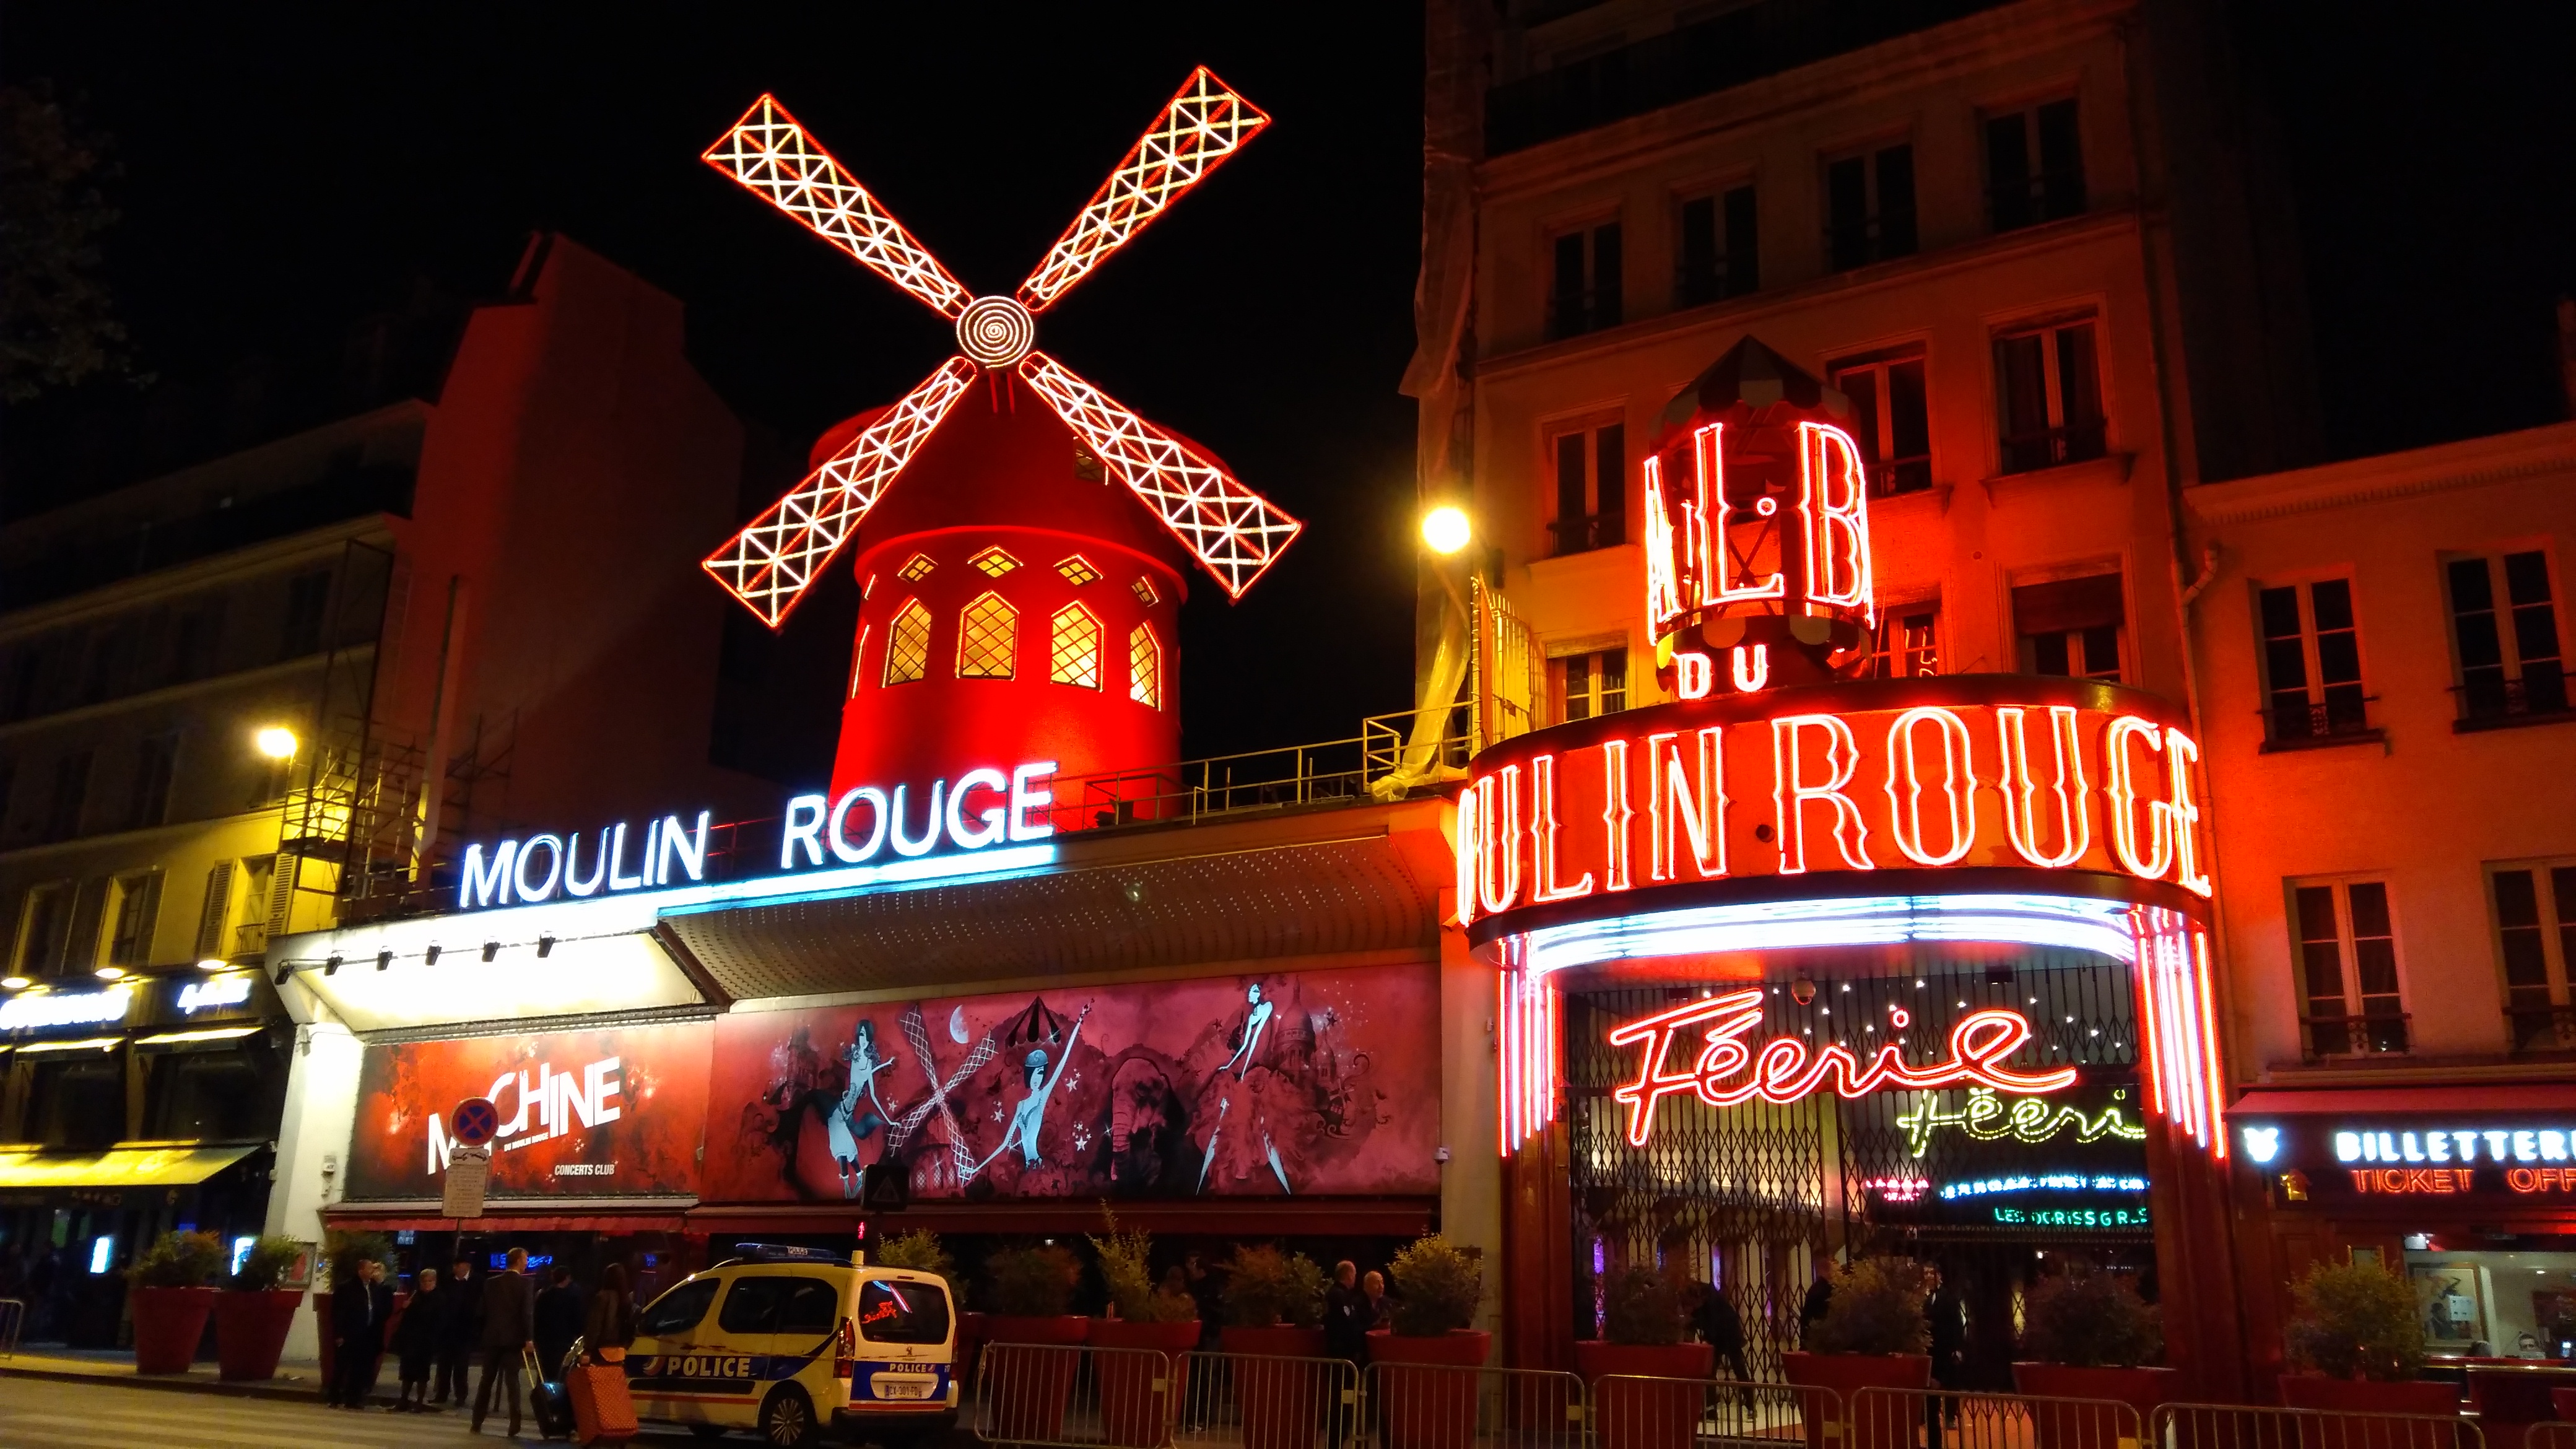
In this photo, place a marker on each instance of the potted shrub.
(1426, 1381)
(1873, 1335)
(1032, 1296)
(253, 1312)
(343, 1249)
(1644, 1335)
(1132, 1412)
(922, 1251)
(172, 1294)
(2355, 1332)
(1274, 1312)
(2086, 1334)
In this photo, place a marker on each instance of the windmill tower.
(1017, 607)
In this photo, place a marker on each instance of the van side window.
(752, 1306)
(891, 1312)
(810, 1305)
(679, 1310)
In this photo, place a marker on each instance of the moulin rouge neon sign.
(1729, 1071)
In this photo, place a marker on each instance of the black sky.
(289, 170)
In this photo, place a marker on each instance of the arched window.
(908, 643)
(1077, 648)
(988, 639)
(1145, 668)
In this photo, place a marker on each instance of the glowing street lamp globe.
(1445, 529)
(275, 741)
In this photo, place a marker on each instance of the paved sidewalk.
(295, 1381)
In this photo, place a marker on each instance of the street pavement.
(44, 1414)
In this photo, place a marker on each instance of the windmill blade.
(1204, 124)
(769, 564)
(770, 154)
(1235, 532)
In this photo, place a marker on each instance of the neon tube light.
(2071, 922)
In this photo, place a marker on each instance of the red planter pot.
(1028, 1391)
(1426, 1397)
(2084, 1427)
(1282, 1399)
(1132, 1414)
(250, 1331)
(168, 1322)
(1630, 1415)
(1847, 1374)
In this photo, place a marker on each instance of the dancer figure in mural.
(1247, 1034)
(1029, 1117)
(1257, 1130)
(845, 1125)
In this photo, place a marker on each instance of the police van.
(797, 1343)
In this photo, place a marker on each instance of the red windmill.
(1014, 610)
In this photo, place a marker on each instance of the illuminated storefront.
(1800, 964)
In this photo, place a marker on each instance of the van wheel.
(787, 1420)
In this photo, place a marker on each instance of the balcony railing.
(1571, 314)
(1591, 531)
(2308, 722)
(2489, 700)
(2371, 1034)
(1897, 476)
(2540, 1027)
(2053, 447)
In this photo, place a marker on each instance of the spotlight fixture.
(491, 949)
(331, 967)
(282, 973)
(429, 957)
(384, 959)
(545, 946)
(214, 963)
(15, 983)
(1802, 990)
(111, 973)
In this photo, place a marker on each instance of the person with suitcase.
(602, 1409)
(509, 1332)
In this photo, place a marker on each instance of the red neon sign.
(2414, 1181)
(1729, 1071)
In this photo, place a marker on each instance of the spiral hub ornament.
(995, 332)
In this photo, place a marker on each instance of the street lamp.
(1445, 529)
(275, 741)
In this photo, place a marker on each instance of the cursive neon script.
(1986, 1119)
(1728, 1071)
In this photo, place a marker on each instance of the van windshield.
(893, 1312)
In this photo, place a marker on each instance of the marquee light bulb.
(276, 741)
(1445, 529)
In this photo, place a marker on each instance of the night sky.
(286, 172)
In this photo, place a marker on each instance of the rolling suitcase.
(603, 1412)
(547, 1403)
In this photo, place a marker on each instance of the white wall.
(313, 1145)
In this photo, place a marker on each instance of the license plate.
(889, 1387)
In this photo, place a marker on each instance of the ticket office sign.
(2497, 1160)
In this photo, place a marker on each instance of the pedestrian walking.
(509, 1312)
(359, 1310)
(1719, 1326)
(417, 1338)
(609, 1327)
(451, 1371)
(560, 1311)
(1346, 1326)
(1946, 1313)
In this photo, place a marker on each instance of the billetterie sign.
(980, 808)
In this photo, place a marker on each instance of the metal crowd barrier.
(1632, 1411)
(1263, 1402)
(1073, 1395)
(2240, 1426)
(1436, 1406)
(1966, 1419)
(2547, 1434)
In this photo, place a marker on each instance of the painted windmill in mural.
(1015, 609)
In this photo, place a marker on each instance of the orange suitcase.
(602, 1410)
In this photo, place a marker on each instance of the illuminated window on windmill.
(1077, 648)
(1076, 569)
(915, 568)
(908, 644)
(1143, 588)
(994, 562)
(988, 639)
(1145, 667)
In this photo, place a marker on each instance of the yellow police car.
(795, 1343)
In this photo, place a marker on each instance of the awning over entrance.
(502, 1217)
(2503, 1097)
(183, 1165)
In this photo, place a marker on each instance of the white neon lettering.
(803, 826)
(1026, 795)
(837, 832)
(490, 886)
(554, 867)
(1834, 499)
(2014, 780)
(2180, 755)
(1694, 674)
(1692, 803)
(618, 879)
(1663, 590)
(1792, 792)
(1464, 848)
(907, 846)
(576, 884)
(1708, 475)
(1498, 851)
(1751, 667)
(692, 856)
(1958, 786)
(2152, 863)
(1543, 827)
(965, 837)
(1615, 815)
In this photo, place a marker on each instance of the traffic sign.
(469, 1172)
(474, 1122)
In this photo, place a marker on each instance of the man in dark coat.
(451, 1372)
(1820, 1296)
(1719, 1326)
(1347, 1320)
(1946, 1313)
(509, 1332)
(561, 1312)
(359, 1310)
(417, 1337)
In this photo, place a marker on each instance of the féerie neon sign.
(1728, 1071)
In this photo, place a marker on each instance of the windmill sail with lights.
(1014, 610)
